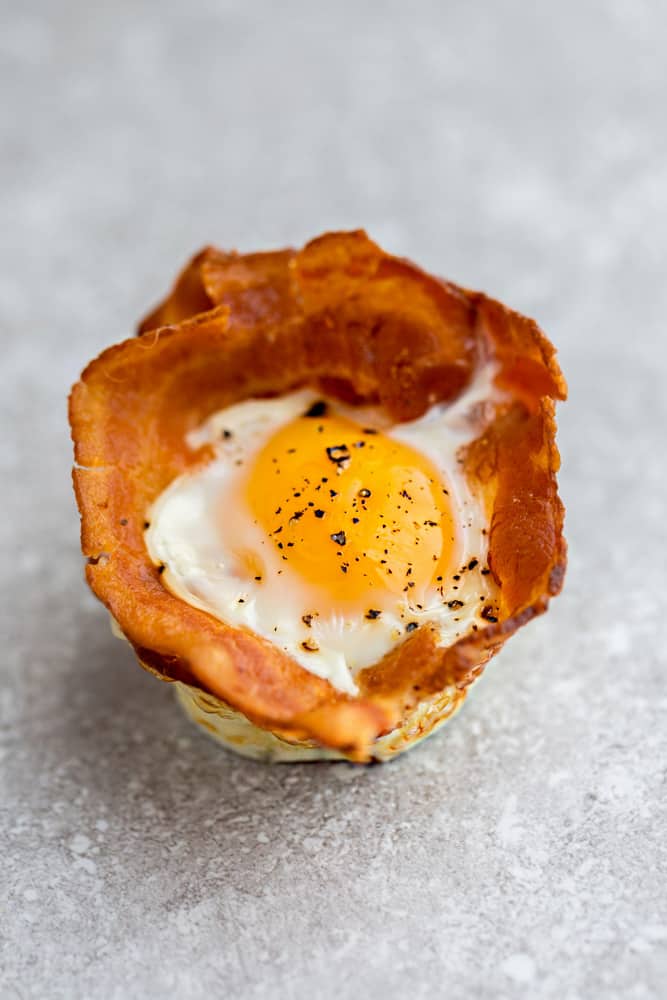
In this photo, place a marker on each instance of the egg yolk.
(351, 510)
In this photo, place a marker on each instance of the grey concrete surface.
(516, 147)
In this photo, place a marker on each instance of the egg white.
(189, 537)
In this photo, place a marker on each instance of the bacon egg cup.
(318, 493)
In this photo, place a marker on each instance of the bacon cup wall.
(318, 493)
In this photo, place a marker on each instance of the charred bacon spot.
(487, 614)
(310, 646)
(101, 560)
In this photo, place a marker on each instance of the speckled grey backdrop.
(513, 146)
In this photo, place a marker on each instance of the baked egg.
(329, 530)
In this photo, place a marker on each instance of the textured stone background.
(512, 146)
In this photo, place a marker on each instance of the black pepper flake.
(147, 525)
(404, 493)
(226, 434)
(359, 444)
(161, 568)
(339, 454)
(454, 604)
(373, 613)
(344, 567)
(310, 646)
(338, 537)
(297, 515)
(333, 493)
(487, 614)
(123, 521)
(307, 619)
(278, 510)
(368, 430)
(411, 626)
(364, 493)
(456, 576)
(259, 579)
(473, 563)
(355, 520)
(318, 409)
(485, 572)
(318, 513)
(431, 524)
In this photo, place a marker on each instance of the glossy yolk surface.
(352, 511)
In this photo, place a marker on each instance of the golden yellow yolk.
(351, 510)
